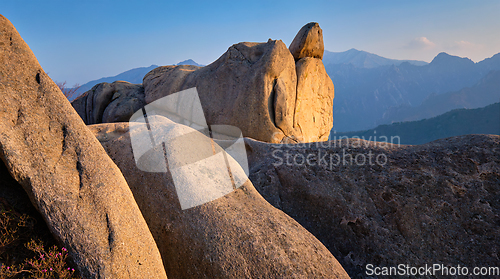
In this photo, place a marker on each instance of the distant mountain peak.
(491, 62)
(189, 62)
(444, 54)
(363, 59)
(445, 58)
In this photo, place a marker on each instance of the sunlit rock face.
(308, 42)
(261, 88)
(236, 235)
(66, 173)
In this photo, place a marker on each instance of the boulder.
(253, 86)
(384, 204)
(256, 87)
(315, 92)
(66, 173)
(308, 42)
(110, 102)
(238, 235)
(170, 79)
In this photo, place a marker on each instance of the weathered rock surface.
(66, 173)
(110, 102)
(315, 93)
(433, 203)
(253, 86)
(308, 42)
(257, 87)
(239, 235)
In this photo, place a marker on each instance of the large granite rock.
(315, 93)
(110, 102)
(66, 173)
(308, 42)
(256, 87)
(437, 203)
(252, 86)
(239, 235)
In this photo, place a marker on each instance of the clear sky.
(78, 41)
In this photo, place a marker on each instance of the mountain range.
(371, 90)
(190, 62)
(486, 91)
(485, 120)
(363, 59)
(364, 95)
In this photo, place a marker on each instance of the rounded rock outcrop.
(261, 88)
(110, 102)
(69, 178)
(238, 235)
(308, 42)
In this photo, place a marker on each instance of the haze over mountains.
(363, 59)
(371, 90)
(364, 95)
(486, 91)
(484, 120)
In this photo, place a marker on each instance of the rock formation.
(314, 100)
(110, 102)
(252, 86)
(66, 173)
(308, 42)
(239, 235)
(259, 88)
(433, 203)
(361, 202)
(314, 86)
(256, 87)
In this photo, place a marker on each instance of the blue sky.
(78, 41)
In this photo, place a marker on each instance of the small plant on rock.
(23, 257)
